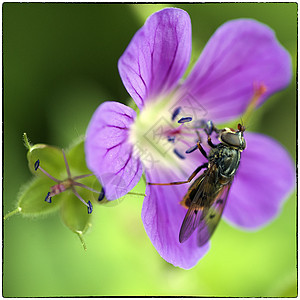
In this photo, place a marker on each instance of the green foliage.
(32, 195)
(60, 63)
(31, 201)
(51, 159)
(74, 214)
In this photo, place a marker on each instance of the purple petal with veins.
(157, 55)
(265, 178)
(162, 217)
(108, 153)
(240, 54)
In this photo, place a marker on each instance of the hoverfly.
(206, 197)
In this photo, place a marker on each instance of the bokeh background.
(59, 64)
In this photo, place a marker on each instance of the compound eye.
(243, 145)
(232, 139)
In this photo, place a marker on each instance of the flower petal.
(242, 53)
(162, 216)
(157, 55)
(108, 153)
(266, 176)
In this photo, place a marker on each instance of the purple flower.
(120, 143)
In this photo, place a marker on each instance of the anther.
(101, 195)
(185, 120)
(90, 207)
(171, 139)
(48, 198)
(175, 113)
(178, 154)
(36, 164)
(209, 127)
(192, 149)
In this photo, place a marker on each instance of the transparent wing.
(212, 216)
(193, 218)
(208, 199)
(198, 198)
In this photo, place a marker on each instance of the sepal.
(32, 195)
(50, 158)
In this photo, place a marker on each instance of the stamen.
(48, 198)
(66, 163)
(90, 207)
(48, 175)
(178, 153)
(192, 149)
(185, 120)
(68, 183)
(101, 195)
(36, 164)
(171, 139)
(84, 186)
(82, 176)
(79, 197)
(175, 113)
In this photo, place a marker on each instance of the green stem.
(17, 210)
(137, 194)
(79, 233)
(27, 143)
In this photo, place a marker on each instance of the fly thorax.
(226, 159)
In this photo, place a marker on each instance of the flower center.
(69, 183)
(161, 134)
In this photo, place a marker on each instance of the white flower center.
(157, 136)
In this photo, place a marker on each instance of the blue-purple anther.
(48, 198)
(101, 195)
(175, 113)
(171, 139)
(178, 154)
(90, 207)
(36, 164)
(185, 120)
(192, 149)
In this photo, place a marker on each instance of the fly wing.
(193, 218)
(212, 216)
(198, 209)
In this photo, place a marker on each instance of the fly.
(206, 197)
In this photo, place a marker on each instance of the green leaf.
(74, 214)
(51, 160)
(32, 197)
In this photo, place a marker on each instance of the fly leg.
(201, 149)
(209, 129)
(205, 165)
(210, 143)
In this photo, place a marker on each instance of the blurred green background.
(59, 64)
